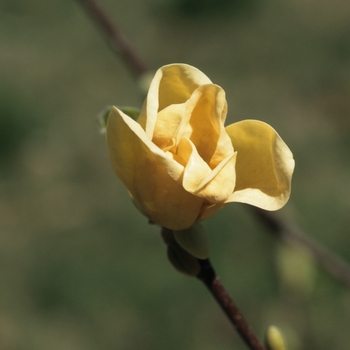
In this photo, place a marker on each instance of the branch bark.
(291, 233)
(208, 276)
(117, 40)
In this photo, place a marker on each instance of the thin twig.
(186, 263)
(117, 39)
(207, 273)
(331, 263)
(208, 276)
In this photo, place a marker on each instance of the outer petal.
(208, 210)
(264, 165)
(149, 174)
(172, 84)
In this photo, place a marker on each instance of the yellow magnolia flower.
(180, 164)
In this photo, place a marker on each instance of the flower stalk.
(210, 279)
(333, 264)
(336, 267)
(187, 264)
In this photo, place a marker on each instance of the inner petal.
(168, 121)
(196, 169)
(203, 124)
(175, 83)
(199, 179)
(218, 186)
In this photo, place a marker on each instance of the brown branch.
(186, 263)
(116, 38)
(331, 263)
(335, 266)
(208, 276)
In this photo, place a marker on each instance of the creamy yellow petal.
(264, 165)
(219, 184)
(215, 185)
(172, 84)
(203, 124)
(149, 174)
(209, 209)
(176, 83)
(196, 169)
(168, 122)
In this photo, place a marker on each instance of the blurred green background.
(80, 268)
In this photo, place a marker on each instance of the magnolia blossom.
(180, 163)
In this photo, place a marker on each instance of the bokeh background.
(80, 268)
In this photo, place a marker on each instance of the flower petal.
(264, 165)
(215, 185)
(149, 174)
(168, 122)
(208, 210)
(203, 124)
(175, 83)
(172, 84)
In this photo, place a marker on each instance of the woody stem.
(117, 40)
(209, 277)
(335, 266)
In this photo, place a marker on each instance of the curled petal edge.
(264, 165)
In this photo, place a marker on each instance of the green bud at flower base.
(194, 240)
(131, 112)
(182, 260)
(185, 247)
(274, 339)
(102, 117)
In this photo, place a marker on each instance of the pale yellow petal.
(168, 122)
(215, 185)
(196, 169)
(203, 124)
(264, 165)
(220, 183)
(209, 209)
(175, 83)
(172, 84)
(146, 172)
